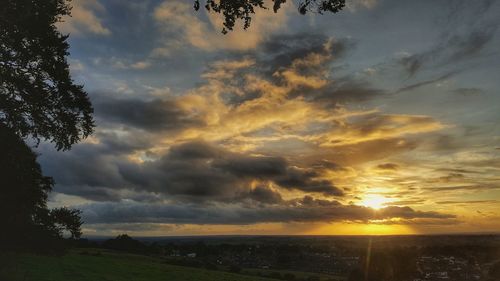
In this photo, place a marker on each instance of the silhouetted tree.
(38, 98)
(125, 243)
(234, 10)
(65, 219)
(26, 220)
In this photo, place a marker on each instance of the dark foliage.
(64, 219)
(125, 243)
(26, 220)
(234, 10)
(38, 98)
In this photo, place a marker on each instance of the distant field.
(107, 267)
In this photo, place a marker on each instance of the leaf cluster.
(38, 97)
(235, 10)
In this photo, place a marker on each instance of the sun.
(374, 201)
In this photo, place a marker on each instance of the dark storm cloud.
(90, 170)
(155, 115)
(195, 150)
(306, 209)
(264, 195)
(259, 167)
(94, 193)
(338, 90)
(285, 49)
(342, 90)
(303, 180)
(193, 171)
(281, 50)
(128, 227)
(199, 169)
(84, 167)
(281, 53)
(113, 144)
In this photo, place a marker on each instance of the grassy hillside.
(108, 266)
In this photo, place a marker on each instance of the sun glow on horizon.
(343, 228)
(374, 201)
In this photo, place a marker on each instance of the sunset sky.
(381, 119)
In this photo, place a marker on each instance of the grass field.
(297, 274)
(108, 266)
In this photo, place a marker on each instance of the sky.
(381, 119)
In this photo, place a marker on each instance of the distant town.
(380, 258)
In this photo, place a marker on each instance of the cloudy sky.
(382, 119)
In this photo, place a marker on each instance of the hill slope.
(108, 266)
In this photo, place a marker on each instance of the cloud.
(345, 90)
(468, 202)
(264, 131)
(307, 50)
(155, 115)
(388, 166)
(454, 47)
(355, 5)
(265, 195)
(406, 202)
(468, 91)
(455, 188)
(424, 83)
(84, 19)
(178, 17)
(250, 128)
(375, 126)
(306, 209)
(202, 170)
(244, 126)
